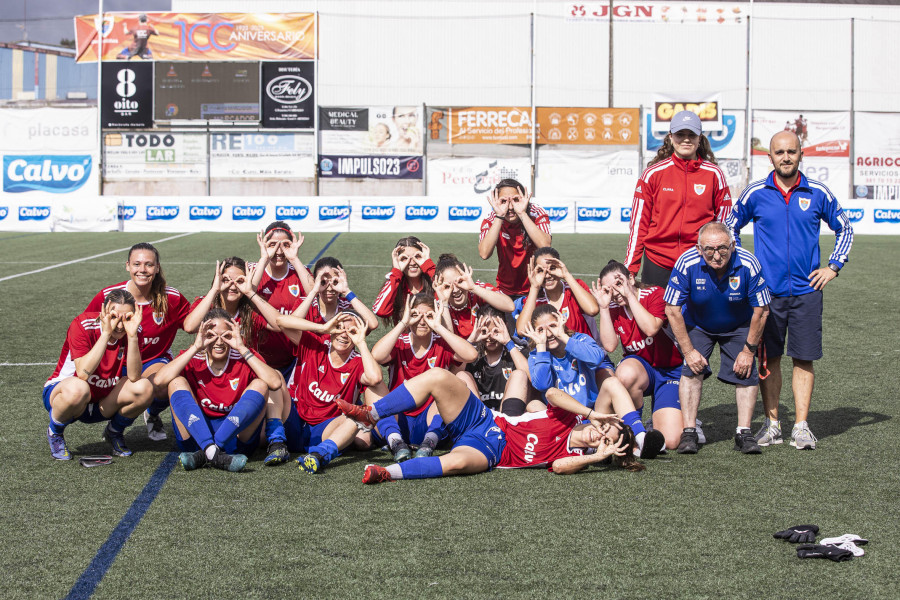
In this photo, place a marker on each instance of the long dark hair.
(119, 296)
(628, 462)
(512, 183)
(615, 266)
(400, 298)
(704, 151)
(159, 301)
(245, 306)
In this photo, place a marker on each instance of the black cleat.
(689, 443)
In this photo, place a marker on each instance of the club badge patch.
(565, 313)
(344, 378)
(804, 203)
(734, 282)
(294, 290)
(158, 318)
(507, 371)
(234, 383)
(432, 361)
(699, 188)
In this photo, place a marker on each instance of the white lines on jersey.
(78, 260)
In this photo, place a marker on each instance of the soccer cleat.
(701, 437)
(654, 443)
(802, 438)
(769, 434)
(228, 462)
(746, 443)
(154, 425)
(688, 443)
(357, 412)
(312, 463)
(376, 474)
(58, 449)
(402, 453)
(193, 460)
(117, 441)
(276, 453)
(424, 451)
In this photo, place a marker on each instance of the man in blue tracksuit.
(787, 209)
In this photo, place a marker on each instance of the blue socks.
(633, 420)
(275, 431)
(119, 422)
(157, 406)
(242, 414)
(422, 468)
(387, 426)
(189, 414)
(398, 401)
(58, 427)
(327, 449)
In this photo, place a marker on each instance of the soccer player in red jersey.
(516, 228)
(218, 389)
(419, 342)
(551, 283)
(482, 440)
(333, 361)
(140, 38)
(331, 295)
(635, 314)
(87, 384)
(411, 273)
(462, 296)
(164, 311)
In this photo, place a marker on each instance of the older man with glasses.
(717, 295)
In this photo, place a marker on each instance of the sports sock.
(395, 471)
(398, 401)
(210, 451)
(421, 468)
(189, 414)
(157, 406)
(242, 414)
(514, 407)
(394, 440)
(119, 423)
(431, 440)
(327, 449)
(436, 429)
(388, 427)
(275, 431)
(633, 420)
(57, 427)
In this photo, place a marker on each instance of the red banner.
(197, 36)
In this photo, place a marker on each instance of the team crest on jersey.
(294, 290)
(507, 371)
(804, 203)
(432, 361)
(734, 282)
(234, 383)
(121, 352)
(699, 188)
(344, 378)
(565, 313)
(158, 318)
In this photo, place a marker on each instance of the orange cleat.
(357, 412)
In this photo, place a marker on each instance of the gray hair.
(715, 226)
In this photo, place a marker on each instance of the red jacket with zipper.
(672, 200)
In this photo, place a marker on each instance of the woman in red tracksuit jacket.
(681, 190)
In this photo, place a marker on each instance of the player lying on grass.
(218, 390)
(87, 384)
(482, 440)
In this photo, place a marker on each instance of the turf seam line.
(106, 555)
(78, 260)
(36, 364)
(321, 252)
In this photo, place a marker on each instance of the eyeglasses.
(721, 250)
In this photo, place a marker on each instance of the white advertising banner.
(416, 214)
(371, 130)
(58, 214)
(641, 11)
(48, 129)
(833, 172)
(606, 216)
(876, 149)
(586, 174)
(261, 156)
(145, 155)
(471, 179)
(821, 133)
(561, 211)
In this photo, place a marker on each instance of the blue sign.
(58, 174)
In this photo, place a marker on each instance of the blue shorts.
(799, 318)
(288, 371)
(91, 412)
(232, 447)
(164, 359)
(301, 436)
(475, 427)
(730, 345)
(663, 388)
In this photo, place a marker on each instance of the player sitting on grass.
(87, 384)
(218, 390)
(483, 440)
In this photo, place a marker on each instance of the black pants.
(653, 274)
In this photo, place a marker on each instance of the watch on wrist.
(751, 347)
(834, 268)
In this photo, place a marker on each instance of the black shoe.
(193, 460)
(746, 443)
(654, 442)
(228, 462)
(276, 454)
(689, 443)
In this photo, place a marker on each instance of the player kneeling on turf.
(483, 440)
(87, 385)
(218, 390)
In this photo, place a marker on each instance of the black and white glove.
(799, 534)
(821, 551)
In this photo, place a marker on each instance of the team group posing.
(512, 375)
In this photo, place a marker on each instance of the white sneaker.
(769, 434)
(701, 437)
(155, 430)
(802, 438)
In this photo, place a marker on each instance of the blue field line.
(106, 555)
(322, 251)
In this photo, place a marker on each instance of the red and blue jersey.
(317, 381)
(658, 350)
(217, 394)
(537, 439)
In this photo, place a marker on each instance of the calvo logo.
(557, 213)
(4, 212)
(248, 213)
(161, 213)
(379, 213)
(421, 213)
(289, 89)
(204, 213)
(887, 215)
(126, 213)
(854, 215)
(334, 212)
(464, 213)
(625, 214)
(58, 174)
(291, 213)
(591, 213)
(34, 213)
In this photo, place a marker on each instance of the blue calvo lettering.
(557, 213)
(248, 213)
(379, 213)
(626, 214)
(421, 213)
(854, 215)
(887, 215)
(204, 213)
(4, 212)
(464, 213)
(291, 213)
(161, 213)
(34, 213)
(58, 174)
(126, 213)
(333, 212)
(586, 213)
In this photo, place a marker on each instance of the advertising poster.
(127, 95)
(591, 126)
(727, 142)
(174, 36)
(820, 133)
(374, 130)
(206, 91)
(370, 167)
(473, 178)
(706, 106)
(288, 97)
(876, 147)
(148, 155)
(48, 129)
(578, 174)
(261, 156)
(834, 173)
(687, 13)
(488, 125)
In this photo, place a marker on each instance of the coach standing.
(786, 209)
(725, 302)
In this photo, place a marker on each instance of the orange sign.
(588, 126)
(489, 125)
(197, 36)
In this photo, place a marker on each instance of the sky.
(49, 21)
